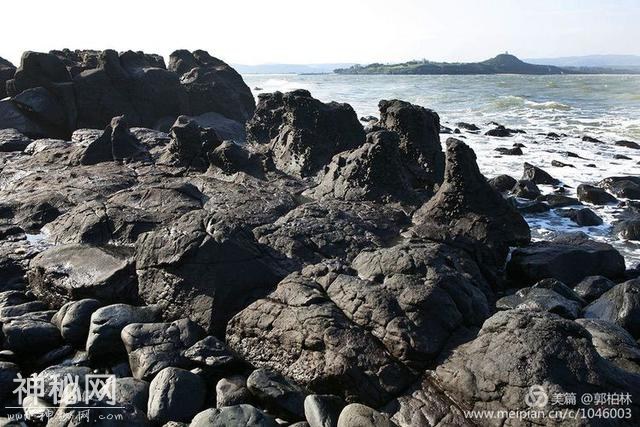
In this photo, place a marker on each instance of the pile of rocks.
(317, 275)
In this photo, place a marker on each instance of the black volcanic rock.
(373, 171)
(537, 175)
(190, 145)
(594, 195)
(518, 348)
(420, 147)
(503, 183)
(303, 133)
(115, 144)
(627, 187)
(468, 209)
(212, 85)
(619, 305)
(583, 217)
(568, 258)
(7, 70)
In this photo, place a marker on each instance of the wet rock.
(561, 289)
(467, 208)
(467, 126)
(628, 229)
(73, 320)
(594, 195)
(12, 140)
(590, 288)
(627, 187)
(212, 85)
(621, 157)
(503, 183)
(232, 391)
(107, 323)
(568, 258)
(230, 158)
(613, 343)
(189, 145)
(129, 391)
(278, 393)
(559, 200)
(175, 395)
(628, 144)
(420, 146)
(583, 217)
(587, 138)
(373, 171)
(526, 189)
(154, 346)
(355, 415)
(499, 131)
(323, 410)
(303, 133)
(518, 348)
(271, 333)
(115, 144)
(537, 175)
(619, 305)
(191, 268)
(514, 151)
(72, 272)
(241, 415)
(529, 207)
(559, 164)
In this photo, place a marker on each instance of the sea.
(606, 107)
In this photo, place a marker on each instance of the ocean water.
(606, 107)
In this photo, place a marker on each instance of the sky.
(299, 31)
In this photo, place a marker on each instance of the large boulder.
(132, 84)
(301, 333)
(613, 343)
(73, 320)
(627, 187)
(192, 269)
(519, 349)
(277, 393)
(189, 145)
(175, 395)
(568, 258)
(303, 132)
(619, 305)
(467, 210)
(374, 171)
(236, 415)
(212, 85)
(7, 70)
(115, 144)
(73, 272)
(419, 130)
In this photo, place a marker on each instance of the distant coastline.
(501, 64)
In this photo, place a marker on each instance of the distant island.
(502, 64)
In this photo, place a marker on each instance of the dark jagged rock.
(7, 70)
(12, 140)
(503, 183)
(227, 129)
(373, 171)
(583, 217)
(594, 195)
(526, 189)
(467, 209)
(590, 288)
(613, 343)
(468, 126)
(628, 144)
(627, 187)
(514, 151)
(43, 107)
(587, 138)
(277, 393)
(303, 133)
(499, 131)
(621, 157)
(212, 85)
(628, 229)
(559, 200)
(299, 332)
(230, 158)
(568, 258)
(115, 144)
(190, 145)
(619, 305)
(11, 117)
(210, 353)
(537, 175)
(560, 164)
(154, 346)
(72, 272)
(192, 269)
(540, 299)
(420, 147)
(516, 349)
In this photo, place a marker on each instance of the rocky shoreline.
(281, 264)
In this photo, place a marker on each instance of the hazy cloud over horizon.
(289, 31)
